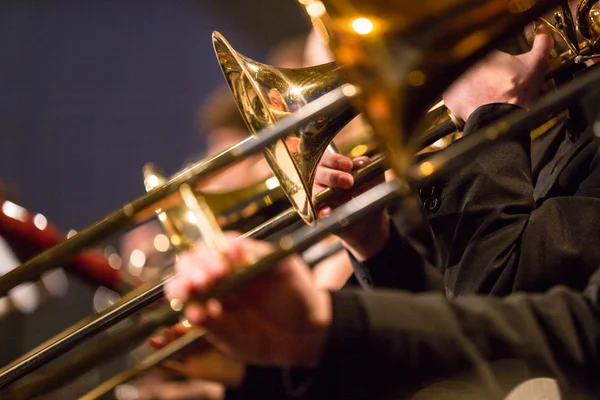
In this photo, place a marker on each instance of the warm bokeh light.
(152, 181)
(359, 150)
(272, 183)
(137, 258)
(115, 261)
(176, 304)
(191, 217)
(315, 9)
(40, 222)
(349, 90)
(14, 211)
(161, 243)
(362, 26)
(426, 168)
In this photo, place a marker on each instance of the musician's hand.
(277, 319)
(366, 237)
(168, 335)
(502, 78)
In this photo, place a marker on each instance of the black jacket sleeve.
(394, 344)
(398, 265)
(494, 238)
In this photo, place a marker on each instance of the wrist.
(372, 242)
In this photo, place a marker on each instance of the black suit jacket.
(392, 344)
(497, 235)
(512, 219)
(397, 345)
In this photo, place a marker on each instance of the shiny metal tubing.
(136, 300)
(74, 365)
(144, 207)
(288, 217)
(146, 364)
(376, 198)
(444, 161)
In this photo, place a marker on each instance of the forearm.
(374, 239)
(397, 265)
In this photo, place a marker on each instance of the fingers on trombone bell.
(336, 161)
(334, 178)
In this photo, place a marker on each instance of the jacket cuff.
(398, 265)
(486, 114)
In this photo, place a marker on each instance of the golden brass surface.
(402, 57)
(265, 94)
(239, 209)
(588, 20)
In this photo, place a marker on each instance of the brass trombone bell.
(264, 95)
(403, 54)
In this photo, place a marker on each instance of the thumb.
(543, 43)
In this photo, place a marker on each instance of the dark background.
(92, 90)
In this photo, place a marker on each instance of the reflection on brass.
(240, 209)
(265, 94)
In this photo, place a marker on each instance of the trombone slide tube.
(144, 207)
(163, 315)
(135, 301)
(146, 364)
(77, 364)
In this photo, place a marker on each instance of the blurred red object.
(29, 234)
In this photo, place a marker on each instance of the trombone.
(463, 39)
(366, 203)
(311, 117)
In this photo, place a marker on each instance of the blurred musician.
(223, 127)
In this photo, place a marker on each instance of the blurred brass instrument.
(399, 57)
(239, 210)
